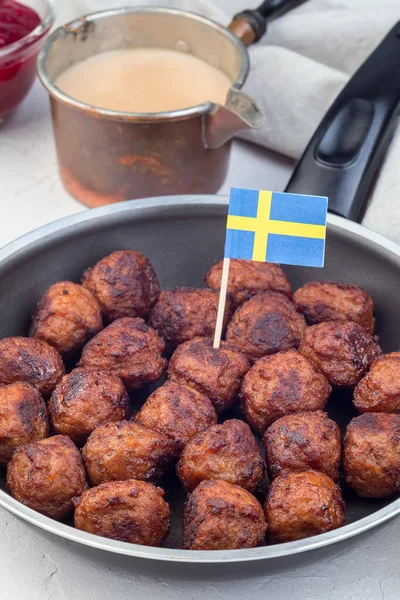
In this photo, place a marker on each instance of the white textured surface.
(37, 566)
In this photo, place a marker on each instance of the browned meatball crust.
(125, 284)
(343, 352)
(32, 361)
(216, 372)
(85, 399)
(265, 324)
(248, 277)
(129, 511)
(222, 516)
(185, 313)
(280, 385)
(66, 317)
(303, 441)
(379, 390)
(129, 349)
(335, 301)
(126, 450)
(178, 412)
(300, 505)
(227, 452)
(23, 418)
(371, 455)
(47, 476)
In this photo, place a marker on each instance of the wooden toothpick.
(221, 303)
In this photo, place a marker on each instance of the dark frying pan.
(183, 236)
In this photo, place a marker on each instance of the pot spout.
(223, 122)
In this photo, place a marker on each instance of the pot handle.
(345, 153)
(250, 25)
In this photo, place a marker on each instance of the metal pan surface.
(183, 236)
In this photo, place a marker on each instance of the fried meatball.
(280, 385)
(371, 455)
(47, 476)
(129, 511)
(178, 412)
(247, 277)
(228, 452)
(335, 301)
(129, 350)
(124, 283)
(23, 418)
(66, 317)
(32, 361)
(85, 399)
(185, 313)
(126, 450)
(265, 324)
(222, 516)
(343, 352)
(302, 441)
(379, 390)
(300, 505)
(216, 372)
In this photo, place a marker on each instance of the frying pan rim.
(175, 555)
(189, 200)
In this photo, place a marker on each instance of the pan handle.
(250, 25)
(345, 153)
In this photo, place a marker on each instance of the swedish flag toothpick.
(274, 227)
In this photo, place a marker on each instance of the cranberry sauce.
(16, 21)
(17, 66)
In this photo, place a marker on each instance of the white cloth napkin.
(298, 69)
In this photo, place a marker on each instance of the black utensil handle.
(258, 18)
(271, 9)
(345, 153)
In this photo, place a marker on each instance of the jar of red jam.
(23, 27)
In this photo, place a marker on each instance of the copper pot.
(107, 156)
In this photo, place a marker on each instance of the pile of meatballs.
(72, 447)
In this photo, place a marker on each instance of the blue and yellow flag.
(276, 227)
